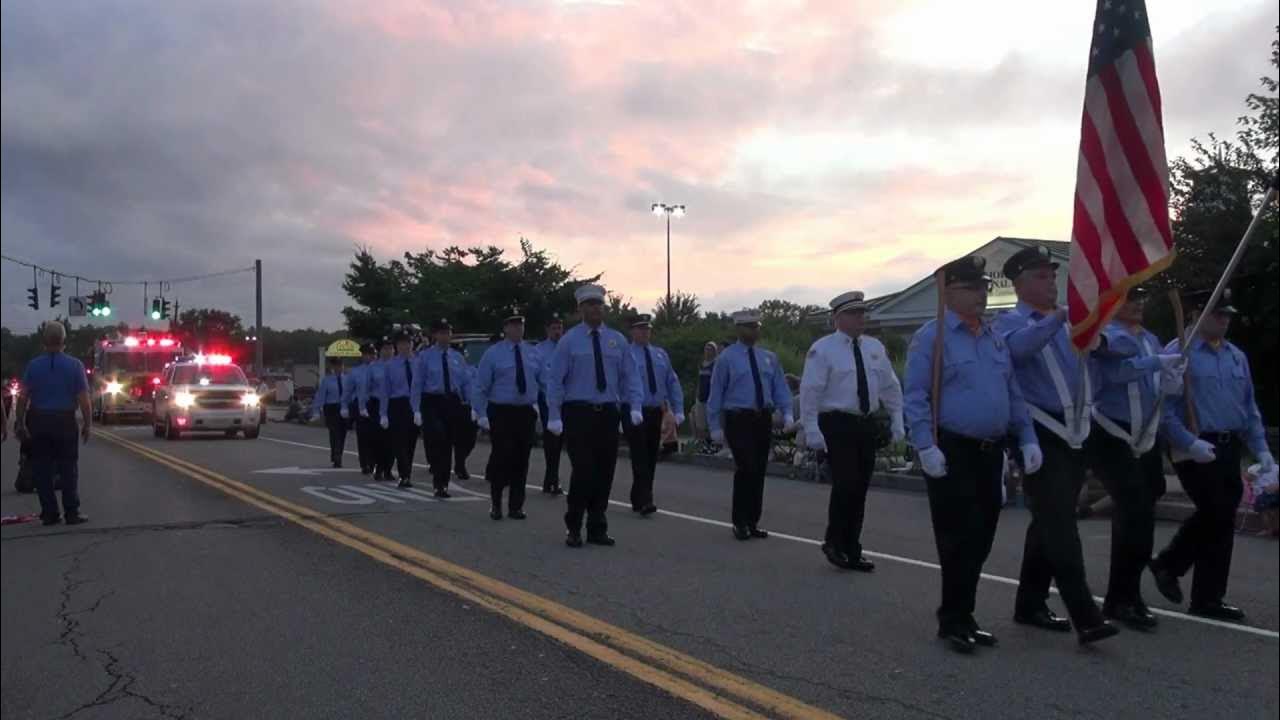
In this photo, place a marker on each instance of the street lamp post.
(668, 210)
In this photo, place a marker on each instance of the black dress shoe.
(51, 520)
(741, 532)
(1101, 631)
(442, 493)
(983, 638)
(556, 490)
(1043, 619)
(863, 565)
(404, 484)
(1129, 615)
(1166, 583)
(836, 556)
(1215, 611)
(573, 540)
(77, 519)
(337, 464)
(462, 473)
(517, 515)
(960, 641)
(495, 513)
(366, 471)
(757, 532)
(601, 539)
(648, 510)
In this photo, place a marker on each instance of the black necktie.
(522, 385)
(408, 372)
(339, 388)
(595, 348)
(444, 368)
(755, 377)
(864, 393)
(648, 368)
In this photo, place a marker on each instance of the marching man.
(505, 398)
(661, 387)
(848, 378)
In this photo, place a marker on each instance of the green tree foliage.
(208, 329)
(682, 308)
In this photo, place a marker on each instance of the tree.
(683, 308)
(208, 329)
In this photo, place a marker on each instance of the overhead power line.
(100, 281)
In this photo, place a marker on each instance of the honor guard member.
(397, 410)
(847, 382)
(979, 405)
(464, 440)
(551, 443)
(356, 380)
(1134, 372)
(505, 398)
(370, 394)
(328, 403)
(661, 388)
(1206, 442)
(54, 385)
(1055, 380)
(591, 374)
(747, 387)
(441, 381)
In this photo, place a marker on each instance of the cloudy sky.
(819, 146)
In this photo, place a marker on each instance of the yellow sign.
(343, 349)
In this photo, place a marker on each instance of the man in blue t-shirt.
(53, 387)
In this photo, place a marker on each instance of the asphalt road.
(180, 600)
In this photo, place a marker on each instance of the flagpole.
(1180, 322)
(1231, 265)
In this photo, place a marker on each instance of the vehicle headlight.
(114, 388)
(184, 399)
(249, 399)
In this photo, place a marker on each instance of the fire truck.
(126, 370)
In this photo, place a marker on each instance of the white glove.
(384, 422)
(1032, 458)
(815, 440)
(1267, 462)
(537, 414)
(555, 427)
(637, 418)
(897, 433)
(1171, 381)
(717, 437)
(933, 462)
(475, 418)
(679, 419)
(1203, 452)
(788, 424)
(344, 413)
(364, 412)
(417, 419)
(1172, 361)
(482, 422)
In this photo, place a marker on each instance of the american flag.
(1120, 229)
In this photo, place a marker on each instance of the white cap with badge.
(851, 301)
(587, 293)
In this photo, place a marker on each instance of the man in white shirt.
(847, 379)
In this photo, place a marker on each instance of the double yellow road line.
(720, 692)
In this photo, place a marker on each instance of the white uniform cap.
(746, 317)
(852, 300)
(588, 292)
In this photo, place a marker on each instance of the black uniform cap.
(968, 269)
(1027, 258)
(1199, 298)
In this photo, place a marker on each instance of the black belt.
(1221, 439)
(981, 444)
(595, 407)
(750, 411)
(33, 412)
(511, 405)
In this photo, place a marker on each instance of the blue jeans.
(55, 446)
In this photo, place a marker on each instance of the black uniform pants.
(644, 441)
(378, 440)
(402, 434)
(1206, 539)
(464, 440)
(591, 437)
(1052, 551)
(551, 444)
(440, 425)
(1133, 524)
(55, 447)
(362, 438)
(964, 505)
(851, 455)
(337, 426)
(511, 429)
(749, 434)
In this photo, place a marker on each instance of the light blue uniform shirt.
(546, 350)
(496, 377)
(397, 376)
(52, 381)
(571, 376)
(666, 384)
(428, 373)
(1126, 358)
(1222, 393)
(981, 398)
(374, 384)
(732, 387)
(1026, 331)
(330, 392)
(351, 384)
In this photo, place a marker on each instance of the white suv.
(205, 394)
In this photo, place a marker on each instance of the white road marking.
(295, 470)
(1247, 629)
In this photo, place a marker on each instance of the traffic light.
(33, 295)
(99, 306)
(156, 313)
(55, 295)
(164, 309)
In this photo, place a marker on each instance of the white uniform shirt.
(830, 380)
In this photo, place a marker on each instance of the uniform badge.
(813, 352)
(613, 343)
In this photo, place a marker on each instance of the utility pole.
(257, 346)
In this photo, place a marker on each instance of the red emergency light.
(166, 342)
(131, 341)
(213, 359)
(155, 381)
(151, 342)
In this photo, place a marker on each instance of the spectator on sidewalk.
(701, 431)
